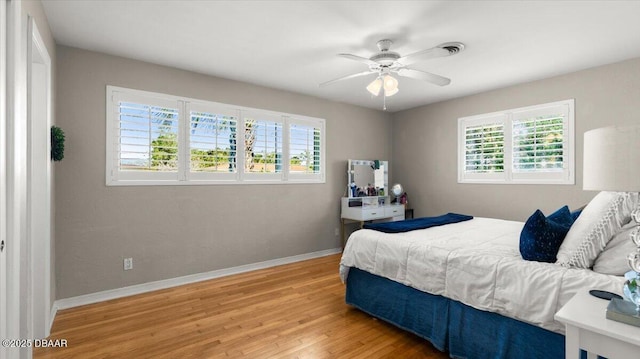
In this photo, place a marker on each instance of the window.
(304, 148)
(213, 145)
(264, 138)
(144, 130)
(143, 142)
(531, 145)
(161, 139)
(484, 148)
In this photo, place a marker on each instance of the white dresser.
(370, 208)
(361, 209)
(366, 176)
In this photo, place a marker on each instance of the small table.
(588, 328)
(408, 213)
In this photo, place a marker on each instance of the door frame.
(39, 180)
(3, 173)
(15, 179)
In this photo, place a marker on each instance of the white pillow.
(613, 259)
(603, 217)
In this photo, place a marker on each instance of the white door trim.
(15, 164)
(3, 173)
(38, 182)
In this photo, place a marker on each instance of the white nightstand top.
(588, 312)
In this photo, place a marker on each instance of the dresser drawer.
(394, 211)
(374, 213)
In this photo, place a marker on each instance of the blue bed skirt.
(460, 330)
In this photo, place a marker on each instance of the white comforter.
(476, 262)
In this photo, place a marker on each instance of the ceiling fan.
(385, 63)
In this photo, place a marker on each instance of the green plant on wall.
(57, 143)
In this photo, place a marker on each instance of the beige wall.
(172, 231)
(425, 143)
(34, 9)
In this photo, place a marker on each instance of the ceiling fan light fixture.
(386, 62)
(390, 85)
(375, 86)
(391, 92)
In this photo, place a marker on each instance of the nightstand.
(584, 317)
(408, 213)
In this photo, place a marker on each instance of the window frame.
(114, 175)
(508, 117)
(310, 122)
(184, 176)
(480, 120)
(210, 177)
(265, 116)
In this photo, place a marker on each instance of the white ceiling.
(292, 45)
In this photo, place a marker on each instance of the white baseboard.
(72, 302)
(52, 316)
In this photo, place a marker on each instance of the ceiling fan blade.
(424, 76)
(423, 55)
(347, 77)
(364, 60)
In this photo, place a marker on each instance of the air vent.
(452, 47)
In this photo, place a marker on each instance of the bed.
(465, 287)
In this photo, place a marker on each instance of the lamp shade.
(375, 86)
(612, 159)
(390, 85)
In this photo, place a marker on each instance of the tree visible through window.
(484, 148)
(212, 142)
(263, 146)
(525, 145)
(304, 149)
(148, 138)
(538, 144)
(161, 139)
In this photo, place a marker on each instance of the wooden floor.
(291, 311)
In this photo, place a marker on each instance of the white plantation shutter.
(148, 138)
(145, 141)
(482, 148)
(540, 144)
(537, 145)
(159, 139)
(525, 145)
(213, 142)
(306, 141)
(264, 140)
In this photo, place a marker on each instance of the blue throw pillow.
(575, 214)
(562, 216)
(542, 236)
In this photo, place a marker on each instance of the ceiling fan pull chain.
(384, 102)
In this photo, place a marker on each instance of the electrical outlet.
(128, 263)
(336, 231)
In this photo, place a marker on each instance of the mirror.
(364, 174)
